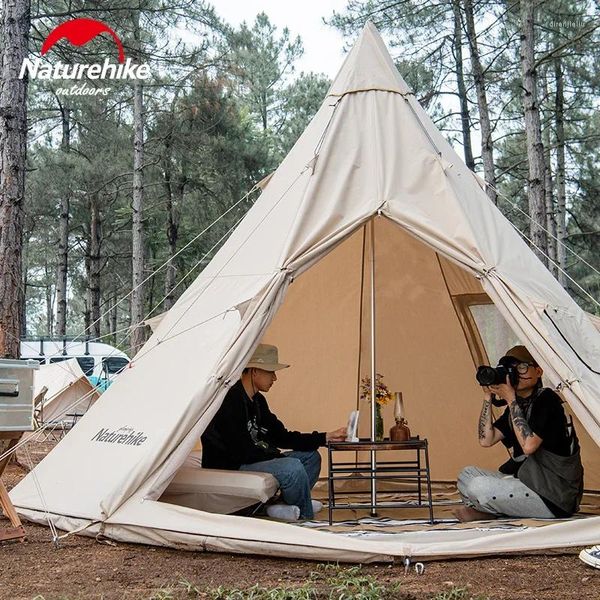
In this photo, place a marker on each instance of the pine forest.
(111, 203)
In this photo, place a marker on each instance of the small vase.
(378, 423)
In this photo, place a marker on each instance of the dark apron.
(556, 478)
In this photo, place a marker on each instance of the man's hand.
(505, 391)
(339, 435)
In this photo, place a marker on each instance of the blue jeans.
(297, 472)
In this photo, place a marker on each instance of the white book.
(352, 427)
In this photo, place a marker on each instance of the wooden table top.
(412, 444)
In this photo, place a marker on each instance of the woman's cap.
(521, 354)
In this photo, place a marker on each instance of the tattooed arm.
(488, 434)
(528, 440)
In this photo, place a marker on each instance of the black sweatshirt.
(245, 431)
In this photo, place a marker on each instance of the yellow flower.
(382, 393)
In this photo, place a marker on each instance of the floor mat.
(413, 518)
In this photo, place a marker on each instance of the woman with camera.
(543, 477)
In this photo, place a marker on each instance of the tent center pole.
(373, 376)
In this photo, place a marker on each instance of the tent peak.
(368, 66)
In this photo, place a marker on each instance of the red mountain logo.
(79, 32)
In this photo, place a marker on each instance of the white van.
(96, 359)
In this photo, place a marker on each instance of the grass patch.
(256, 592)
(327, 582)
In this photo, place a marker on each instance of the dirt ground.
(84, 568)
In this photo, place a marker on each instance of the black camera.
(487, 375)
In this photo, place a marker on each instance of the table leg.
(373, 483)
(419, 475)
(330, 488)
(428, 475)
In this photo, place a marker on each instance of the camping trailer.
(96, 359)
(371, 218)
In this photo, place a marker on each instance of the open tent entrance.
(434, 326)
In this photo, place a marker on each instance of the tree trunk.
(151, 287)
(173, 238)
(462, 88)
(550, 213)
(13, 146)
(561, 208)
(172, 227)
(87, 315)
(171, 274)
(533, 132)
(25, 284)
(137, 296)
(549, 190)
(113, 318)
(49, 293)
(63, 235)
(95, 267)
(487, 147)
(264, 111)
(107, 319)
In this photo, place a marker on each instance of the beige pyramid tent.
(69, 392)
(292, 273)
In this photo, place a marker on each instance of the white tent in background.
(292, 273)
(68, 390)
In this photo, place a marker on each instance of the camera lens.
(486, 375)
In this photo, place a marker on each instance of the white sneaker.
(283, 512)
(591, 556)
(317, 506)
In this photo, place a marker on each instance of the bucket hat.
(266, 357)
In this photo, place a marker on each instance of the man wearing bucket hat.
(246, 435)
(543, 477)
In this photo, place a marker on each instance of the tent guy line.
(211, 279)
(199, 262)
(549, 233)
(254, 188)
(53, 530)
(130, 328)
(37, 433)
(406, 96)
(163, 265)
(159, 342)
(523, 235)
(325, 131)
(416, 116)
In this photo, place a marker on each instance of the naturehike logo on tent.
(124, 435)
(79, 32)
